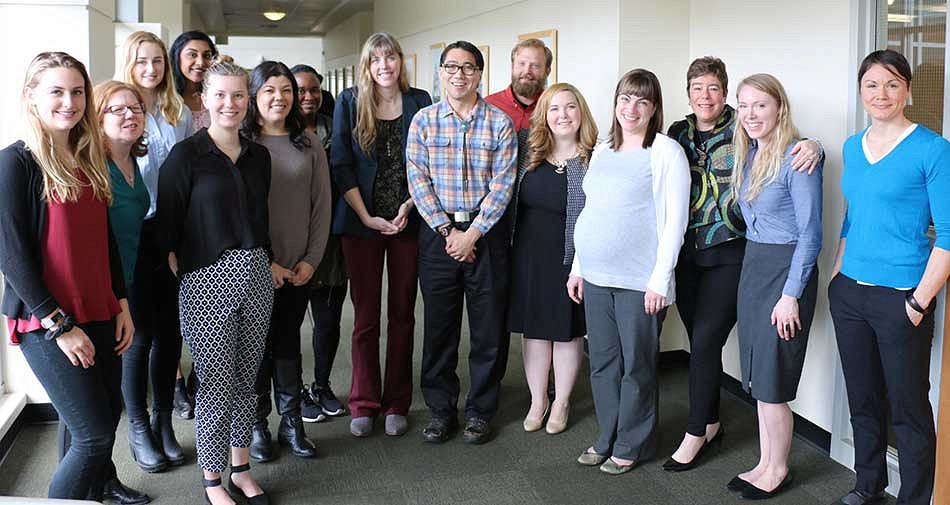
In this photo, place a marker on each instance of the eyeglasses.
(121, 110)
(453, 68)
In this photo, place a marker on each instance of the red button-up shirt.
(519, 113)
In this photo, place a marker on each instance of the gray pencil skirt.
(771, 366)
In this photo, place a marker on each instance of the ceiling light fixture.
(275, 15)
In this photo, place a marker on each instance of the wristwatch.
(445, 230)
(53, 319)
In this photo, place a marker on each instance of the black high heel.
(210, 483)
(672, 465)
(260, 499)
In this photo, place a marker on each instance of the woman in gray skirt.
(778, 284)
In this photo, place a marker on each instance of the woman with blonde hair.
(64, 294)
(157, 344)
(547, 200)
(213, 217)
(778, 285)
(378, 223)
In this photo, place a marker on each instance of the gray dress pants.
(624, 344)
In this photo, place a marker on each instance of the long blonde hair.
(62, 182)
(541, 141)
(168, 100)
(365, 129)
(768, 161)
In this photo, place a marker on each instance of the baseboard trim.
(32, 413)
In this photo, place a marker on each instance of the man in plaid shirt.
(461, 162)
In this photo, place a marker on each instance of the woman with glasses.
(157, 344)
(378, 223)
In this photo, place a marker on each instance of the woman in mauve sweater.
(299, 209)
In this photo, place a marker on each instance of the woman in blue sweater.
(886, 276)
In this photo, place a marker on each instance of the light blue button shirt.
(161, 137)
(786, 211)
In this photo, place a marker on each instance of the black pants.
(326, 307)
(484, 287)
(706, 301)
(282, 347)
(156, 346)
(89, 404)
(886, 362)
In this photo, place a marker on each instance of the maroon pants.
(369, 395)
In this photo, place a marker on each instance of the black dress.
(540, 307)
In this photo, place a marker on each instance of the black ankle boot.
(183, 406)
(165, 436)
(145, 449)
(291, 434)
(117, 492)
(262, 448)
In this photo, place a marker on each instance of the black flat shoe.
(671, 465)
(260, 499)
(439, 429)
(117, 492)
(753, 493)
(856, 497)
(737, 485)
(477, 431)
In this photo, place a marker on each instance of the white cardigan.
(671, 180)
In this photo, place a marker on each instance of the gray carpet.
(515, 468)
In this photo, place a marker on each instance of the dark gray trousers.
(624, 344)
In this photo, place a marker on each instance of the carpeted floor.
(515, 468)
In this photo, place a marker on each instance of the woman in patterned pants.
(214, 223)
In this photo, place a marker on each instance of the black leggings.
(326, 305)
(706, 301)
(156, 346)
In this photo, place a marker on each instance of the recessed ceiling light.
(275, 15)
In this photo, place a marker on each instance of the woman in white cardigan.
(627, 240)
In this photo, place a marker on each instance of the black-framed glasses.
(453, 68)
(121, 110)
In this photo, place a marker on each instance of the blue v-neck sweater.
(890, 205)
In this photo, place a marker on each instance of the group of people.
(190, 200)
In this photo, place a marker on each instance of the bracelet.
(914, 304)
(68, 324)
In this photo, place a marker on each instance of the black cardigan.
(351, 167)
(22, 219)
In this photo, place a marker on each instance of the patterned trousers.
(225, 311)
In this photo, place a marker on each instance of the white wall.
(815, 70)
(343, 42)
(249, 51)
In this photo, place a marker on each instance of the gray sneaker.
(396, 425)
(361, 426)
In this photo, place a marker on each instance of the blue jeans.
(88, 400)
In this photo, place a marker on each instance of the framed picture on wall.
(435, 53)
(410, 65)
(484, 86)
(351, 76)
(549, 37)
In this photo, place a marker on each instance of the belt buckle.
(461, 217)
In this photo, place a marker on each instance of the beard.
(529, 89)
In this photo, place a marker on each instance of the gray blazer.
(576, 170)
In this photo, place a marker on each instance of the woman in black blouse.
(378, 222)
(214, 225)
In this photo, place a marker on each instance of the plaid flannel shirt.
(454, 165)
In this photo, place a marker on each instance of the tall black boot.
(287, 387)
(165, 436)
(262, 447)
(145, 449)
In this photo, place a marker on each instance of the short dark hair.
(889, 59)
(294, 121)
(467, 47)
(300, 68)
(175, 55)
(708, 65)
(644, 84)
